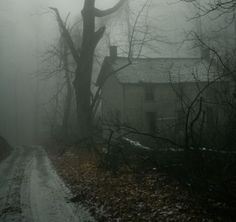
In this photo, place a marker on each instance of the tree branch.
(97, 97)
(98, 35)
(66, 35)
(102, 13)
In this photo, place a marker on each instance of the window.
(151, 122)
(180, 121)
(211, 116)
(149, 92)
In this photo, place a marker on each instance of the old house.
(153, 94)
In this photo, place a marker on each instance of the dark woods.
(140, 119)
(184, 125)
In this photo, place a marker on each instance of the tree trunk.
(67, 109)
(84, 72)
(82, 91)
(84, 60)
(69, 93)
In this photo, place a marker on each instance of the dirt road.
(31, 191)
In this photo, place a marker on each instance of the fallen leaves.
(128, 196)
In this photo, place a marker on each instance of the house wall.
(112, 100)
(133, 106)
(137, 107)
(166, 104)
(130, 101)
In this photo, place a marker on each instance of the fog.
(117, 110)
(29, 28)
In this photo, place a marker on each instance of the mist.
(131, 102)
(28, 28)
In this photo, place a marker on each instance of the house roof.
(157, 70)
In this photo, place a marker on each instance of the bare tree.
(84, 60)
(57, 65)
(210, 6)
(69, 90)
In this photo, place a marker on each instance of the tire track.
(32, 191)
(11, 203)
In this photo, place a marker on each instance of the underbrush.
(124, 188)
(5, 148)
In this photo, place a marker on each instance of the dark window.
(118, 116)
(151, 122)
(210, 116)
(180, 121)
(149, 92)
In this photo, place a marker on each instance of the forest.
(118, 110)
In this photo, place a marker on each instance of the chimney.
(113, 52)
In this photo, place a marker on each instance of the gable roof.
(158, 70)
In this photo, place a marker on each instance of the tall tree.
(84, 60)
(69, 90)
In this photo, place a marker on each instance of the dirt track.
(31, 191)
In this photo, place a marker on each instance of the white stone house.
(152, 94)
